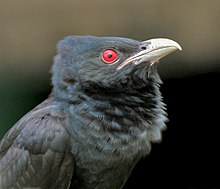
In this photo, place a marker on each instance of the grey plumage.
(96, 124)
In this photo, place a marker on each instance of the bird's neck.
(124, 116)
(135, 116)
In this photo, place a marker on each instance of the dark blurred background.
(189, 156)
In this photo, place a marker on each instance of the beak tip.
(179, 47)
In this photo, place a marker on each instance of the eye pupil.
(109, 56)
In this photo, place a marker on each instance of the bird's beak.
(152, 51)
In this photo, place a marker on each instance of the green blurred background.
(29, 31)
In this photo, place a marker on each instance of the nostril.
(143, 48)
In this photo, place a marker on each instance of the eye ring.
(109, 56)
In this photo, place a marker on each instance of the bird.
(104, 112)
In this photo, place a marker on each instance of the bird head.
(108, 63)
(114, 81)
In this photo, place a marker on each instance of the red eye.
(109, 56)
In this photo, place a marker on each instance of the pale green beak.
(152, 51)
